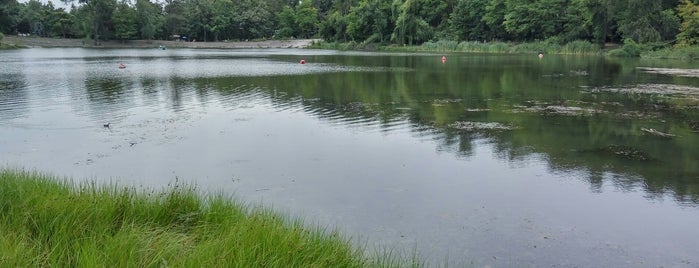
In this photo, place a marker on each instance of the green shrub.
(630, 49)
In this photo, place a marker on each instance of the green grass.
(575, 47)
(47, 222)
(677, 53)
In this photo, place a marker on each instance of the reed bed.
(49, 222)
(571, 48)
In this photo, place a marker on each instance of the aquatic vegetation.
(476, 126)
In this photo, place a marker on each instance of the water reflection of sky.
(391, 182)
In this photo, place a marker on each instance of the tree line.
(402, 22)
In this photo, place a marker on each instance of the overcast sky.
(56, 3)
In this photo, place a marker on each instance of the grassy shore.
(35, 41)
(47, 222)
(575, 47)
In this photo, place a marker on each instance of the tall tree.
(532, 20)
(410, 28)
(370, 21)
(307, 19)
(150, 18)
(9, 16)
(124, 20)
(466, 21)
(175, 20)
(689, 30)
(99, 17)
(287, 23)
(334, 27)
(494, 17)
(256, 20)
(645, 21)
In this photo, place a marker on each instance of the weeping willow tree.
(410, 28)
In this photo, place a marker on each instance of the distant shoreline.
(30, 41)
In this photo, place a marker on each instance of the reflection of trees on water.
(604, 141)
(13, 96)
(607, 146)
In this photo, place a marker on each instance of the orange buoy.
(303, 62)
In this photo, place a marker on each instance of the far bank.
(34, 41)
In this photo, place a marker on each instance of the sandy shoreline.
(19, 41)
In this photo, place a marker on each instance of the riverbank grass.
(570, 48)
(47, 222)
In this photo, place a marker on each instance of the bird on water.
(106, 125)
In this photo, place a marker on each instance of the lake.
(481, 160)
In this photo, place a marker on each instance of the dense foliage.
(362, 21)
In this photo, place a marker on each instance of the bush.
(630, 49)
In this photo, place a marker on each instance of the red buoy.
(303, 62)
(444, 59)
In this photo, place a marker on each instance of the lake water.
(482, 160)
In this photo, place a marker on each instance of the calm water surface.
(484, 160)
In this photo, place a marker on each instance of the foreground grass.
(48, 222)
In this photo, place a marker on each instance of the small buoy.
(303, 62)
(541, 55)
(122, 66)
(444, 58)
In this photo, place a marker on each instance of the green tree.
(410, 27)
(689, 29)
(99, 15)
(150, 19)
(494, 18)
(599, 17)
(199, 15)
(62, 23)
(466, 21)
(9, 16)
(323, 7)
(287, 23)
(645, 21)
(255, 20)
(334, 28)
(307, 19)
(560, 20)
(175, 20)
(31, 19)
(436, 13)
(124, 21)
(370, 21)
(300, 21)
